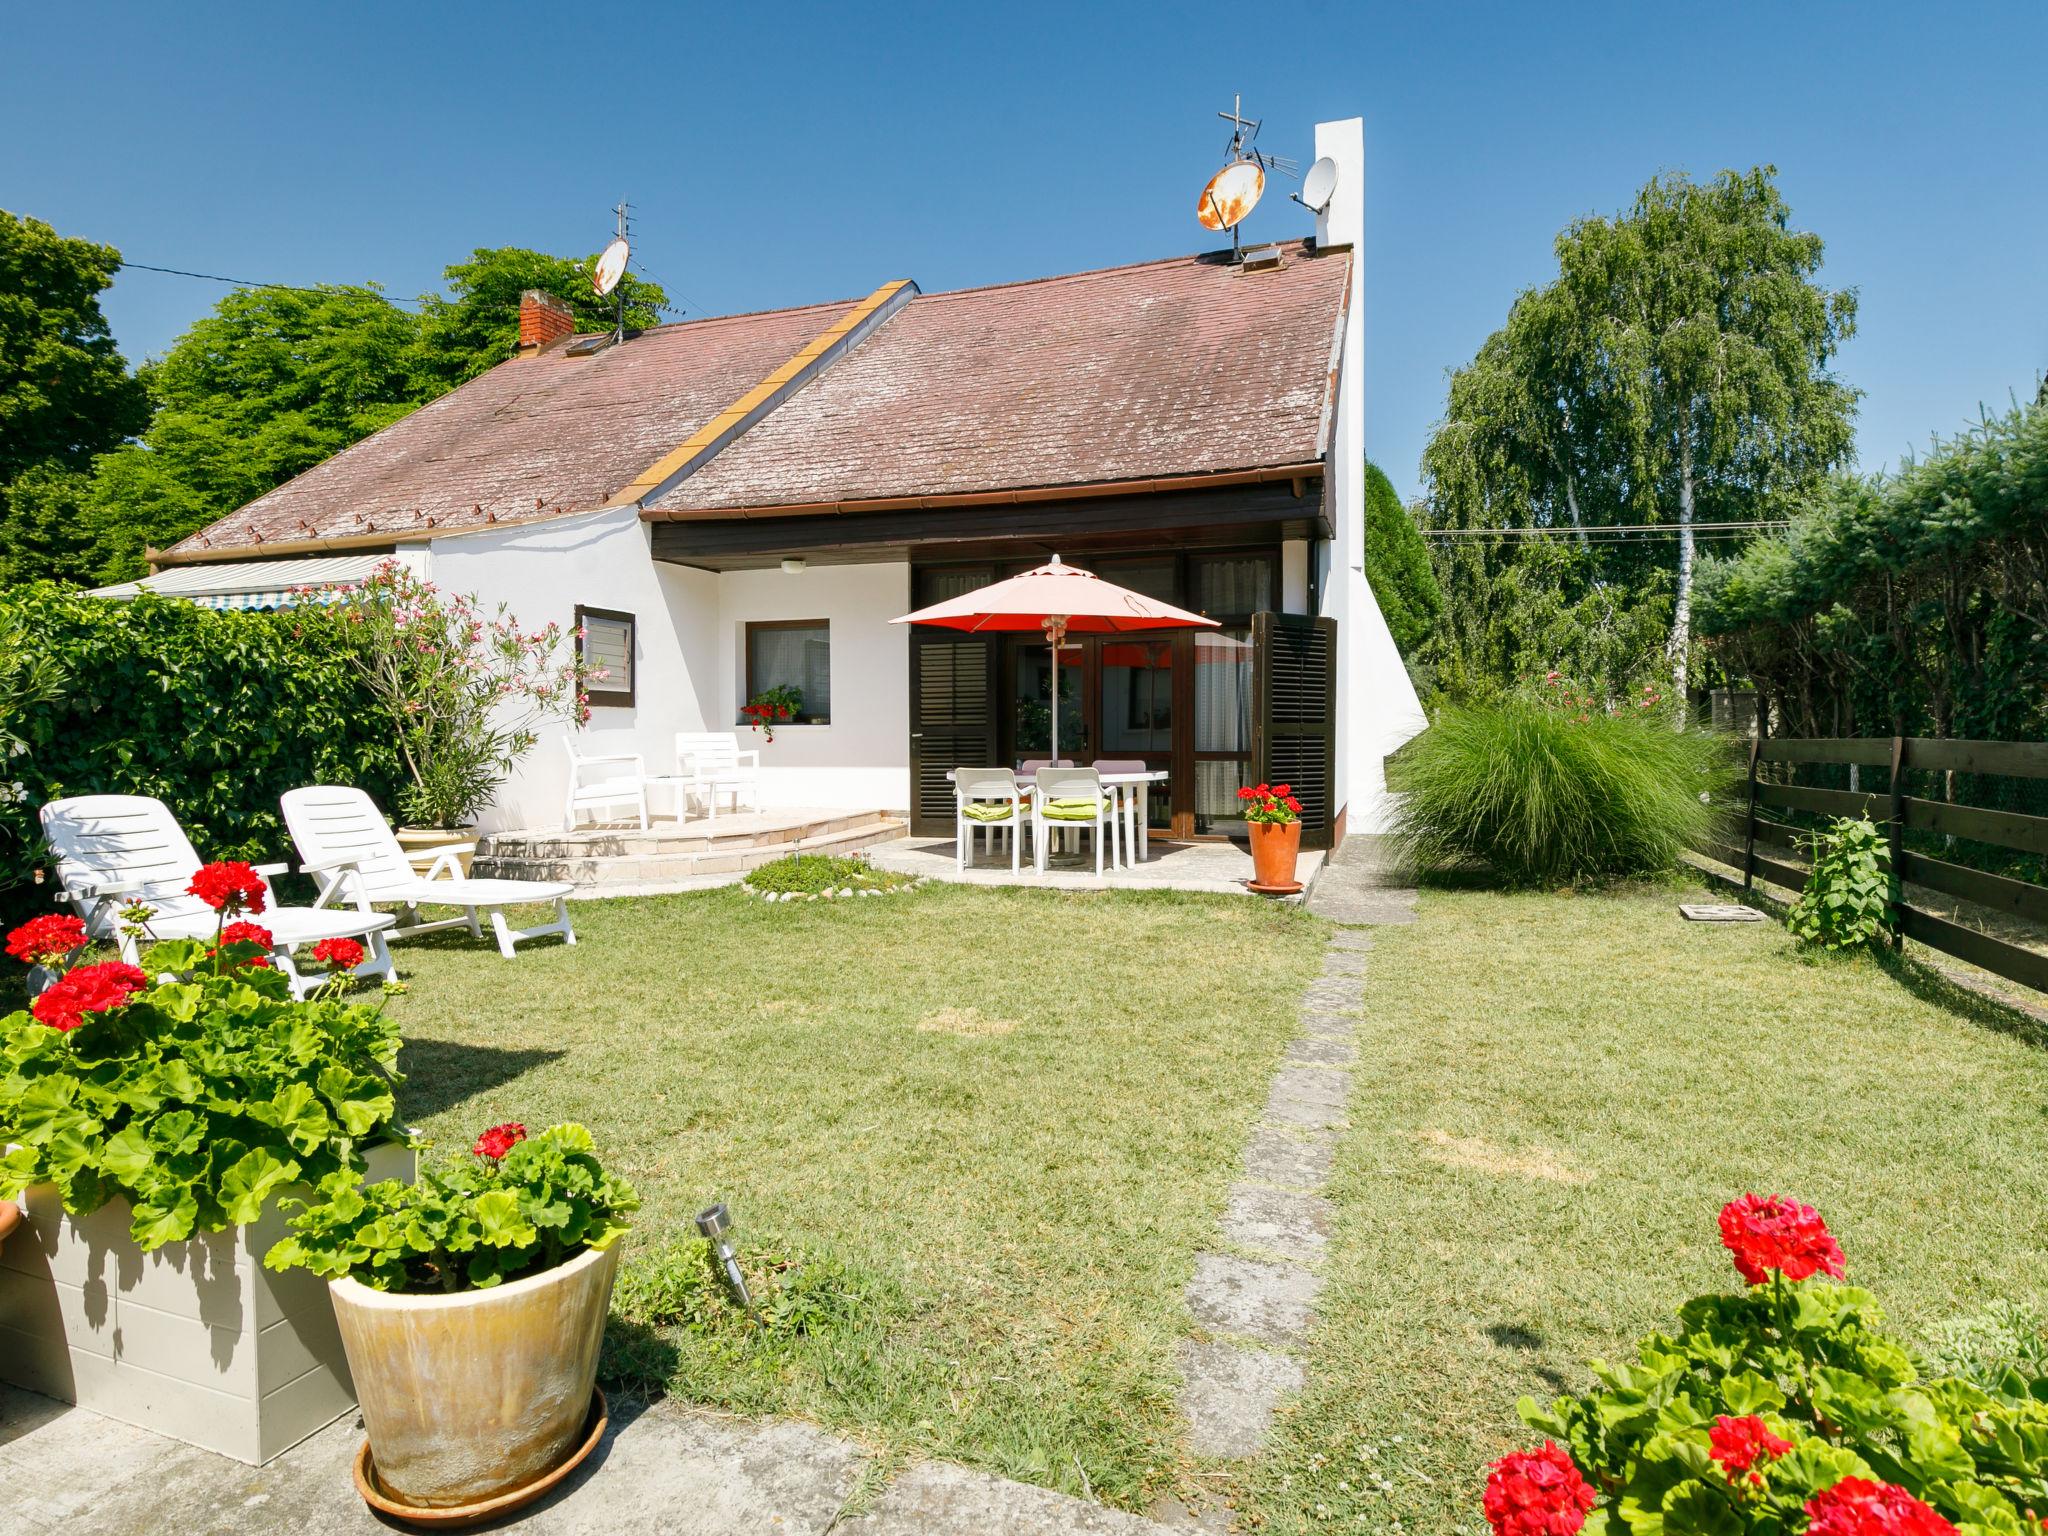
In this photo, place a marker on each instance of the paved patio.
(1215, 867)
(660, 1469)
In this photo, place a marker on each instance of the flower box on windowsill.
(196, 1340)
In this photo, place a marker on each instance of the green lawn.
(1004, 1120)
(1555, 1096)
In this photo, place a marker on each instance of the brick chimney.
(543, 321)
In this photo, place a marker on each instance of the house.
(734, 504)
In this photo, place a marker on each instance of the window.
(794, 654)
(607, 655)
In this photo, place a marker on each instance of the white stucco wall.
(861, 761)
(600, 560)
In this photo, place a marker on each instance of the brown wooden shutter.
(952, 721)
(1294, 715)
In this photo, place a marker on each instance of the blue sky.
(782, 154)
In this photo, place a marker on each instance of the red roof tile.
(534, 434)
(1176, 367)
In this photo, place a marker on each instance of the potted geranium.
(472, 1303)
(772, 707)
(1273, 817)
(151, 1116)
(464, 692)
(1784, 1409)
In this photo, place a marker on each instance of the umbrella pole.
(1056, 631)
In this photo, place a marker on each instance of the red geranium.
(499, 1140)
(89, 989)
(1771, 1232)
(1737, 1443)
(247, 933)
(49, 937)
(229, 887)
(1858, 1507)
(1537, 1493)
(341, 954)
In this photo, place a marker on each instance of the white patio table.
(1133, 793)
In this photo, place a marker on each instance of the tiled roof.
(1167, 368)
(535, 434)
(1174, 367)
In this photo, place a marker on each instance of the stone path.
(1253, 1300)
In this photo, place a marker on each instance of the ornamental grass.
(1545, 793)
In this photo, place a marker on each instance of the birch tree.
(1676, 371)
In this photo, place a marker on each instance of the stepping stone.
(933, 1496)
(1302, 1162)
(1283, 1221)
(1351, 938)
(1338, 1026)
(1229, 1395)
(1308, 1096)
(1273, 1303)
(1322, 1051)
(1374, 906)
(1334, 994)
(1343, 962)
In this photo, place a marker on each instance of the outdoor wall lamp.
(714, 1222)
(793, 565)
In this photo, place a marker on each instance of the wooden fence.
(1770, 848)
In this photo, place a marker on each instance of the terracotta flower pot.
(1275, 846)
(473, 1394)
(420, 843)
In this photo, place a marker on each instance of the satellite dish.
(1231, 193)
(1319, 185)
(611, 266)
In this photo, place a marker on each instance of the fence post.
(1898, 841)
(1749, 822)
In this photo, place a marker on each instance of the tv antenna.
(1232, 193)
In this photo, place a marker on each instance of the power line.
(246, 282)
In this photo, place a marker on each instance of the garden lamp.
(714, 1222)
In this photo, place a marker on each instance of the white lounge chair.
(346, 845)
(613, 787)
(114, 849)
(710, 764)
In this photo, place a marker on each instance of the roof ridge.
(1190, 258)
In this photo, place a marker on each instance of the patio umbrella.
(1060, 600)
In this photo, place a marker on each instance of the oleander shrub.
(1547, 795)
(214, 713)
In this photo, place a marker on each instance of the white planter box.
(197, 1340)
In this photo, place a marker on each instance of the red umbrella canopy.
(1055, 595)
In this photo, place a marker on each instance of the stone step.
(589, 873)
(708, 837)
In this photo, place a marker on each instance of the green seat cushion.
(1072, 810)
(982, 810)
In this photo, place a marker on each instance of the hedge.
(216, 714)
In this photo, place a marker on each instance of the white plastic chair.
(615, 788)
(114, 849)
(346, 844)
(995, 790)
(1069, 784)
(1124, 834)
(710, 764)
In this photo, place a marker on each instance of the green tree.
(1676, 371)
(65, 391)
(476, 324)
(1397, 565)
(276, 380)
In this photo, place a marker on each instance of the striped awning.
(254, 583)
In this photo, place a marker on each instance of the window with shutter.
(606, 651)
(1294, 715)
